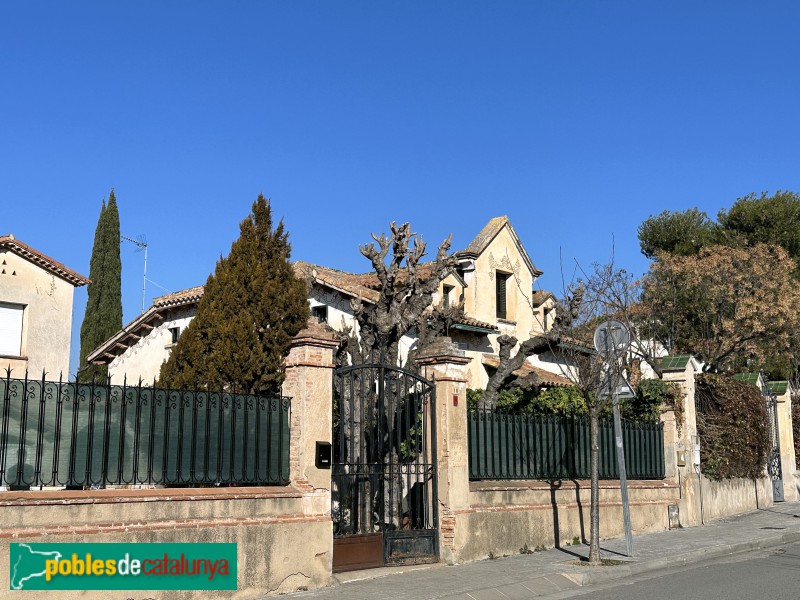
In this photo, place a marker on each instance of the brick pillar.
(309, 382)
(682, 443)
(443, 363)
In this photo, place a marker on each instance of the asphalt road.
(760, 575)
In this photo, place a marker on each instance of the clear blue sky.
(576, 119)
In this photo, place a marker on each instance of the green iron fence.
(534, 446)
(90, 435)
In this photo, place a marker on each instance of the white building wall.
(144, 359)
(47, 317)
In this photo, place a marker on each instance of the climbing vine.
(733, 427)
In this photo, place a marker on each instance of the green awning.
(473, 328)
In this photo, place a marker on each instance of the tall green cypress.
(103, 316)
(251, 308)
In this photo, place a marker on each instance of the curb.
(692, 556)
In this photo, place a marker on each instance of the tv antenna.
(141, 244)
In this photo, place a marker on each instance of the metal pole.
(144, 277)
(623, 478)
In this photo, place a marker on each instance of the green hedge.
(653, 397)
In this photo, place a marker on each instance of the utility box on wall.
(322, 458)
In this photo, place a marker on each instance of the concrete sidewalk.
(553, 571)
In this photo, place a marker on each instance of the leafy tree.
(766, 219)
(251, 308)
(725, 305)
(680, 233)
(103, 316)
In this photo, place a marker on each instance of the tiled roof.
(348, 283)
(545, 377)
(488, 233)
(747, 377)
(778, 387)
(190, 296)
(469, 321)
(539, 297)
(675, 363)
(56, 268)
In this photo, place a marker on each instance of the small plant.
(492, 555)
(525, 550)
(576, 541)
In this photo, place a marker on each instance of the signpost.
(612, 340)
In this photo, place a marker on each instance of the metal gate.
(384, 503)
(774, 460)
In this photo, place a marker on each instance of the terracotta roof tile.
(42, 260)
(349, 283)
(475, 323)
(189, 296)
(539, 297)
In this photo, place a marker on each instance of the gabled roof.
(141, 325)
(488, 233)
(349, 284)
(778, 387)
(9, 242)
(539, 297)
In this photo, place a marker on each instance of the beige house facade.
(36, 294)
(495, 281)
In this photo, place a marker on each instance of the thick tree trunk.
(594, 510)
(508, 364)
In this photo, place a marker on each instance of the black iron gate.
(384, 503)
(774, 460)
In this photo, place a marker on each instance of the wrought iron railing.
(536, 446)
(57, 433)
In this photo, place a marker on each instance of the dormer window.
(501, 282)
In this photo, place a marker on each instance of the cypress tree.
(251, 308)
(103, 316)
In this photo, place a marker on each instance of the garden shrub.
(733, 427)
(652, 398)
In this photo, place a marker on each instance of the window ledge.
(506, 322)
(13, 357)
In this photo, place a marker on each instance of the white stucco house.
(36, 294)
(495, 279)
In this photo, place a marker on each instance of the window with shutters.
(320, 312)
(446, 291)
(11, 319)
(501, 280)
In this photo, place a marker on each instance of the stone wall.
(281, 545)
(503, 518)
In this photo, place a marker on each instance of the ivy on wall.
(733, 427)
